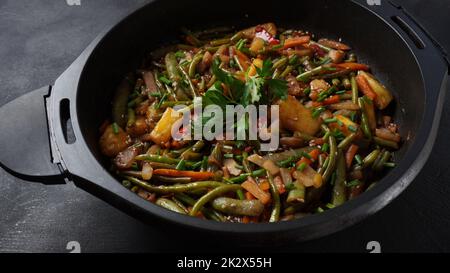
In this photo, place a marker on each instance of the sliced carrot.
(296, 41)
(364, 86)
(249, 196)
(332, 100)
(244, 61)
(279, 184)
(314, 154)
(353, 66)
(246, 219)
(251, 186)
(350, 154)
(177, 173)
(264, 185)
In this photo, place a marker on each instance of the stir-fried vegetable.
(336, 134)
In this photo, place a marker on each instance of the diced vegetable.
(251, 186)
(345, 125)
(365, 88)
(162, 133)
(334, 44)
(177, 173)
(112, 143)
(383, 95)
(309, 177)
(353, 66)
(296, 41)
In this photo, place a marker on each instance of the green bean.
(236, 37)
(174, 103)
(308, 74)
(370, 159)
(195, 61)
(243, 177)
(211, 195)
(172, 180)
(188, 79)
(157, 165)
(332, 157)
(240, 194)
(355, 91)
(214, 49)
(280, 63)
(170, 205)
(175, 188)
(364, 119)
(346, 83)
(131, 117)
(120, 103)
(339, 188)
(386, 143)
(214, 215)
(172, 67)
(339, 73)
(204, 165)
(286, 72)
(344, 144)
(245, 163)
(220, 42)
(198, 146)
(181, 165)
(378, 166)
(180, 204)
(232, 206)
(297, 195)
(216, 157)
(162, 159)
(278, 157)
(276, 207)
(336, 82)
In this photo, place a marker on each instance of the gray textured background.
(40, 38)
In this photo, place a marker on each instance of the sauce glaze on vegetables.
(336, 140)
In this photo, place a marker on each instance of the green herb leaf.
(252, 91)
(278, 88)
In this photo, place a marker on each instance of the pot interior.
(159, 23)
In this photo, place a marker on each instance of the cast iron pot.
(62, 141)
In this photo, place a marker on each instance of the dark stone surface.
(39, 39)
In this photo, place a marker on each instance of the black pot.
(70, 112)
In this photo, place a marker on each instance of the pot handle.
(24, 139)
(420, 40)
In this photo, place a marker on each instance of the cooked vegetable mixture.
(336, 138)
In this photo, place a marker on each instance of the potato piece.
(296, 117)
(257, 63)
(384, 96)
(112, 144)
(257, 45)
(162, 133)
